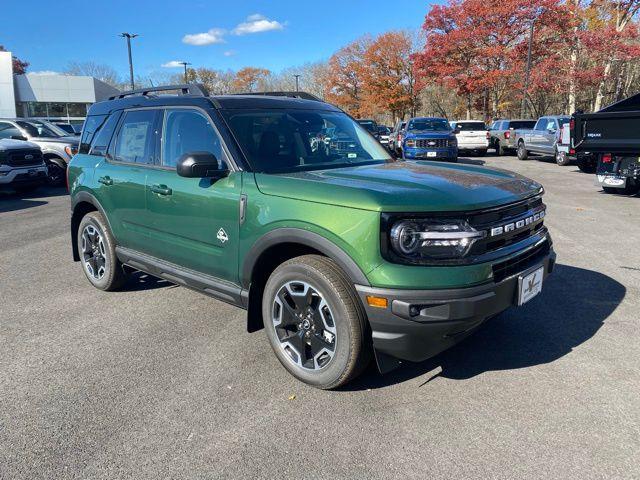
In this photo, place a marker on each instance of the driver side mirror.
(200, 165)
(19, 137)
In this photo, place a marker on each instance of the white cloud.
(215, 35)
(172, 64)
(44, 72)
(229, 53)
(257, 23)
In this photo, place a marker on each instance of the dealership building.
(48, 96)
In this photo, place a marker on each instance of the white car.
(472, 135)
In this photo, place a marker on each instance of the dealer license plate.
(432, 154)
(530, 285)
(614, 181)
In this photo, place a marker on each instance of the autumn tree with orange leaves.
(374, 76)
(478, 48)
(250, 79)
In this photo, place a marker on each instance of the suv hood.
(65, 140)
(403, 186)
(10, 144)
(427, 134)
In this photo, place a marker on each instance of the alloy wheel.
(304, 325)
(93, 252)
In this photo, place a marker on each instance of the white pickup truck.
(546, 138)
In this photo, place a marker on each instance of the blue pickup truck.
(429, 138)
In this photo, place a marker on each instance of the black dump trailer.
(612, 138)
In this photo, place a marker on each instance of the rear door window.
(136, 138)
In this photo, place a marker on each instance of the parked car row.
(55, 146)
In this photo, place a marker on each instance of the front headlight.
(432, 239)
(411, 143)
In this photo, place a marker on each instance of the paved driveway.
(158, 381)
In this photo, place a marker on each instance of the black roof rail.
(194, 89)
(301, 95)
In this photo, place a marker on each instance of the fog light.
(378, 302)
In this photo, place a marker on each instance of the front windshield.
(428, 124)
(291, 140)
(41, 129)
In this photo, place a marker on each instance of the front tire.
(97, 249)
(315, 323)
(55, 172)
(522, 151)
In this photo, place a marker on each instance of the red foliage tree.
(478, 47)
(19, 66)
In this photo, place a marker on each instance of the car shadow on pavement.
(470, 161)
(139, 281)
(11, 201)
(572, 307)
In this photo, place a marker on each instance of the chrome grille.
(24, 158)
(432, 142)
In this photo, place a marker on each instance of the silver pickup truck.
(542, 139)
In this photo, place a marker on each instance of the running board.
(214, 287)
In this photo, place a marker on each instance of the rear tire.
(97, 249)
(315, 322)
(561, 158)
(522, 151)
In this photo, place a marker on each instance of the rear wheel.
(97, 250)
(522, 151)
(561, 158)
(315, 322)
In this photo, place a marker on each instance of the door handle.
(161, 189)
(106, 180)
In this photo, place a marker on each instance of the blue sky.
(216, 34)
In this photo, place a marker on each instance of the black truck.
(612, 136)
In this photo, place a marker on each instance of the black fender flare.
(304, 237)
(53, 158)
(82, 197)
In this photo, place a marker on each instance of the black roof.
(197, 97)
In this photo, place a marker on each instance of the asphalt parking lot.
(160, 382)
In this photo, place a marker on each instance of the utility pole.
(186, 80)
(129, 36)
(297, 75)
(523, 107)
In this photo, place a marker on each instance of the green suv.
(286, 207)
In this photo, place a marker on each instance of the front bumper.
(23, 175)
(479, 145)
(448, 153)
(418, 324)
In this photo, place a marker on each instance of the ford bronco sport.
(288, 208)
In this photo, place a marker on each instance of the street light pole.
(129, 36)
(186, 80)
(523, 107)
(297, 75)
